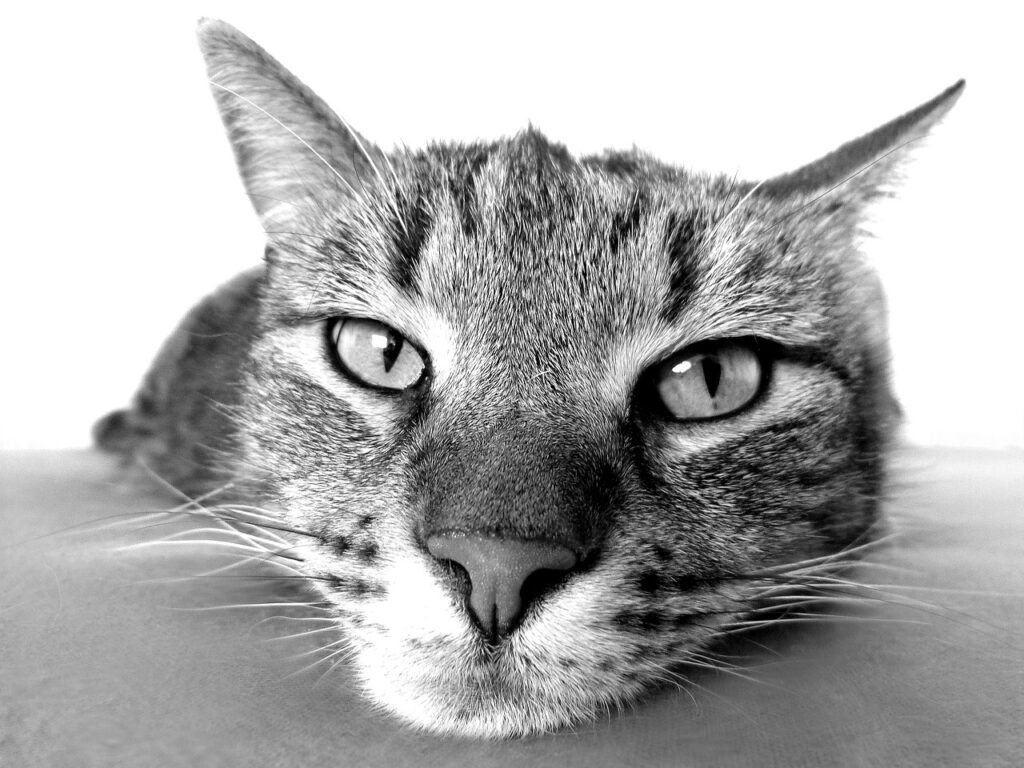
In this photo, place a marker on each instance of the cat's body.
(467, 374)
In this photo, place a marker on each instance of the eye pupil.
(712, 374)
(390, 346)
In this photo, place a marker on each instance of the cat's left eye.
(710, 380)
(376, 354)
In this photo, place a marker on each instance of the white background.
(120, 203)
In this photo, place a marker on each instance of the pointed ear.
(860, 168)
(289, 145)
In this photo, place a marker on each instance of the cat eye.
(375, 354)
(709, 380)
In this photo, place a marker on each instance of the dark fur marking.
(368, 553)
(462, 187)
(684, 582)
(649, 581)
(336, 582)
(639, 622)
(625, 223)
(341, 545)
(410, 234)
(652, 620)
(681, 239)
(364, 588)
(147, 404)
(662, 553)
(617, 163)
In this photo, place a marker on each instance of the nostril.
(504, 574)
(541, 583)
(455, 577)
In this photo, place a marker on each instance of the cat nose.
(498, 568)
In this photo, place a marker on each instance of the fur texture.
(542, 291)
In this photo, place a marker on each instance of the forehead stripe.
(682, 236)
(410, 235)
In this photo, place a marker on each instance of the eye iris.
(707, 384)
(375, 354)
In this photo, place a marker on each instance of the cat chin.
(477, 699)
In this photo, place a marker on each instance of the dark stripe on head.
(682, 237)
(410, 233)
(625, 223)
(617, 163)
(462, 188)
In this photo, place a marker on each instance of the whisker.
(710, 665)
(778, 222)
(296, 136)
(344, 654)
(88, 525)
(308, 667)
(817, 618)
(248, 606)
(222, 572)
(684, 683)
(380, 177)
(949, 591)
(229, 531)
(242, 513)
(308, 633)
(188, 500)
(733, 210)
(336, 645)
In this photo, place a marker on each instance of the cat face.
(555, 424)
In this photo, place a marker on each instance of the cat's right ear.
(289, 145)
(859, 169)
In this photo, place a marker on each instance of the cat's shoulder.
(190, 383)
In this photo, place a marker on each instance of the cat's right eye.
(375, 354)
(710, 380)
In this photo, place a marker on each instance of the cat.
(542, 428)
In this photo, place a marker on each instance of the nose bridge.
(517, 479)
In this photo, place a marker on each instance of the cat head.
(555, 423)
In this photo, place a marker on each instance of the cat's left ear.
(289, 145)
(860, 169)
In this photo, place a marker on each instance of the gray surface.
(99, 667)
